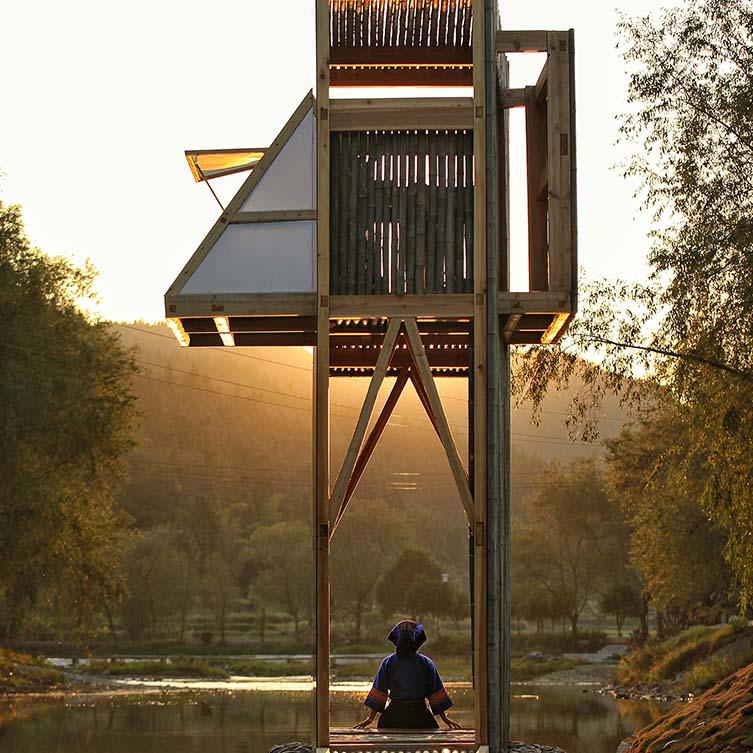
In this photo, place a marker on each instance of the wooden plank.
(536, 163)
(423, 372)
(458, 201)
(558, 162)
(541, 302)
(401, 55)
(401, 76)
(371, 442)
(287, 215)
(512, 98)
(343, 477)
(354, 306)
(511, 325)
(514, 40)
(402, 114)
(320, 413)
(240, 304)
(573, 178)
(274, 339)
(478, 517)
(259, 171)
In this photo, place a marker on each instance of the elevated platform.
(408, 741)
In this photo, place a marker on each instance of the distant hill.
(235, 423)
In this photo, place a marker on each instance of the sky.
(100, 100)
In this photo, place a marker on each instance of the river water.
(251, 717)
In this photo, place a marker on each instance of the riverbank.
(720, 720)
(22, 673)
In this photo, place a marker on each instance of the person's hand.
(365, 723)
(451, 723)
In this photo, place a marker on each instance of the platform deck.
(408, 741)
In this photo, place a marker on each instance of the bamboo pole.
(386, 193)
(379, 203)
(421, 214)
(439, 270)
(334, 252)
(459, 219)
(361, 216)
(403, 233)
(343, 168)
(450, 214)
(468, 210)
(370, 207)
(352, 215)
(395, 207)
(431, 228)
(410, 261)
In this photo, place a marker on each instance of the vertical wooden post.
(558, 161)
(498, 404)
(321, 385)
(479, 370)
(538, 262)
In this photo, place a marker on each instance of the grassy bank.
(719, 720)
(22, 673)
(693, 660)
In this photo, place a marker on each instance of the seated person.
(407, 679)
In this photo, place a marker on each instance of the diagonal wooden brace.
(371, 443)
(423, 373)
(382, 364)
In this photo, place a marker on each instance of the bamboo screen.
(401, 212)
(410, 23)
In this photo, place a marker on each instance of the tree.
(359, 555)
(565, 544)
(676, 549)
(690, 330)
(283, 557)
(157, 575)
(66, 419)
(219, 587)
(414, 587)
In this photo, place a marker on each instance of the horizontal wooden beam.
(399, 55)
(401, 76)
(288, 215)
(450, 305)
(512, 98)
(534, 302)
(448, 358)
(401, 114)
(241, 304)
(521, 41)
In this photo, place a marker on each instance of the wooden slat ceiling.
(355, 343)
(401, 42)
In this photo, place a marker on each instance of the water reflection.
(253, 720)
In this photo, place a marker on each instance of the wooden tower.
(376, 230)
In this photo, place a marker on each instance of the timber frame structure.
(390, 256)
